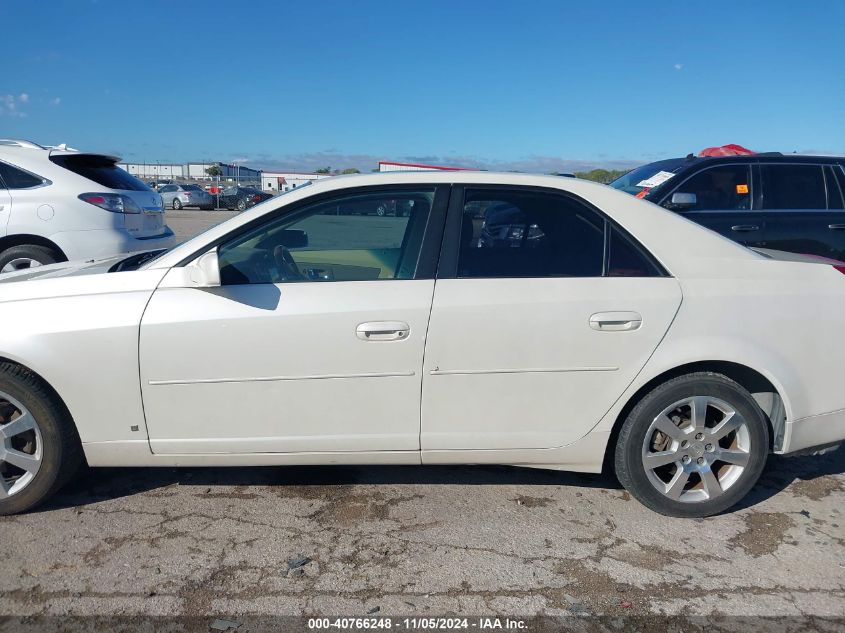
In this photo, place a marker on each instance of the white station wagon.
(501, 318)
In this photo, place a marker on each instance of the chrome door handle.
(832, 227)
(745, 227)
(383, 331)
(616, 321)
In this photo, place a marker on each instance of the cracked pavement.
(421, 540)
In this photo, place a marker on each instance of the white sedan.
(501, 318)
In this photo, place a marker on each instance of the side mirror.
(682, 201)
(204, 272)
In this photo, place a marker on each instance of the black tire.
(631, 472)
(177, 205)
(61, 448)
(40, 254)
(241, 205)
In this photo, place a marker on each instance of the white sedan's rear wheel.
(39, 447)
(694, 446)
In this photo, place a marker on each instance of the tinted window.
(15, 178)
(528, 234)
(101, 170)
(834, 189)
(793, 187)
(722, 188)
(341, 239)
(626, 260)
(191, 188)
(168, 188)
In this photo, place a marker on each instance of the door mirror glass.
(683, 201)
(204, 272)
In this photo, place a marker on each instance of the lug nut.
(708, 448)
(684, 444)
(685, 459)
(699, 436)
(700, 461)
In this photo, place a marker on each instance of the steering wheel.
(287, 266)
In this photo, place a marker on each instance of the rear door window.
(15, 178)
(793, 187)
(101, 170)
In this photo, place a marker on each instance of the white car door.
(313, 342)
(544, 312)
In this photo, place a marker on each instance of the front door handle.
(383, 331)
(832, 227)
(616, 321)
(745, 227)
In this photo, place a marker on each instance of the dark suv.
(782, 202)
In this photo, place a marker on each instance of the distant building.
(229, 172)
(281, 181)
(387, 165)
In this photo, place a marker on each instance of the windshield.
(647, 177)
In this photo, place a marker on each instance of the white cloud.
(23, 98)
(678, 66)
(9, 105)
(56, 100)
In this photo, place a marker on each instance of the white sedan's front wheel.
(693, 447)
(39, 447)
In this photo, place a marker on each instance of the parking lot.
(411, 541)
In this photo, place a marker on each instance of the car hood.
(64, 269)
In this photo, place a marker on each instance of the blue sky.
(536, 86)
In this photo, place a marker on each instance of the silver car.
(179, 196)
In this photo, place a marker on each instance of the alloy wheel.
(696, 449)
(20, 263)
(21, 446)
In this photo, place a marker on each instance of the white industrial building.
(229, 172)
(388, 165)
(281, 181)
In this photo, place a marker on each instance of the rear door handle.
(745, 227)
(832, 227)
(383, 331)
(616, 321)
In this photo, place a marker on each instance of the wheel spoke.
(711, 483)
(732, 456)
(675, 488)
(732, 422)
(17, 426)
(24, 461)
(661, 458)
(4, 488)
(663, 424)
(698, 411)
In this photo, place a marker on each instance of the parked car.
(784, 202)
(57, 205)
(241, 198)
(178, 196)
(626, 336)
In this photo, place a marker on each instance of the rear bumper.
(816, 430)
(82, 245)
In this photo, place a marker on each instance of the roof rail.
(15, 142)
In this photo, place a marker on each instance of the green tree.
(213, 171)
(603, 176)
(351, 170)
(323, 170)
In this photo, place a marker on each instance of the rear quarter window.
(101, 170)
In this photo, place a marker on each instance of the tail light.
(187, 194)
(841, 269)
(112, 202)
